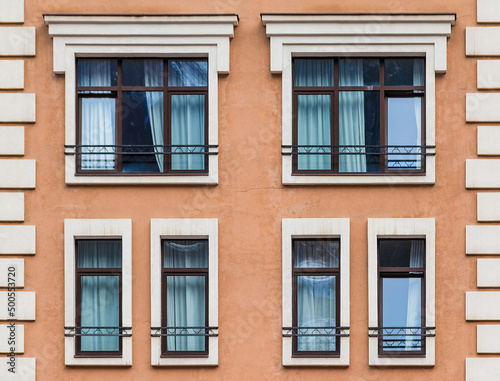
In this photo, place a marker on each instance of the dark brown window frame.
(330, 271)
(89, 271)
(179, 271)
(116, 93)
(333, 91)
(401, 272)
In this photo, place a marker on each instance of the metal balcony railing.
(184, 331)
(98, 331)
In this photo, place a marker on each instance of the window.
(142, 116)
(358, 115)
(355, 88)
(315, 292)
(184, 305)
(126, 71)
(316, 297)
(401, 291)
(98, 292)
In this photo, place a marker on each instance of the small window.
(142, 116)
(98, 298)
(316, 297)
(358, 116)
(401, 299)
(184, 298)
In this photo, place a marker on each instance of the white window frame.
(401, 228)
(189, 228)
(319, 35)
(293, 228)
(76, 36)
(90, 229)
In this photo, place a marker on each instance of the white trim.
(322, 35)
(401, 228)
(74, 229)
(324, 228)
(184, 228)
(141, 36)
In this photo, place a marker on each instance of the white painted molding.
(482, 239)
(407, 228)
(17, 41)
(482, 369)
(488, 11)
(315, 228)
(17, 107)
(482, 305)
(97, 228)
(11, 140)
(25, 305)
(11, 11)
(7, 276)
(11, 74)
(17, 239)
(488, 138)
(482, 173)
(11, 337)
(25, 369)
(206, 228)
(488, 207)
(488, 339)
(488, 272)
(12, 207)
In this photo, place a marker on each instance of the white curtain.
(153, 72)
(418, 80)
(413, 313)
(188, 128)
(352, 116)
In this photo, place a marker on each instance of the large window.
(316, 296)
(358, 115)
(142, 116)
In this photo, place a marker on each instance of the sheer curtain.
(414, 313)
(153, 73)
(352, 116)
(418, 80)
(98, 115)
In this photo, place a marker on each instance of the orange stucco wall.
(249, 203)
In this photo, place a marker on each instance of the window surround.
(304, 228)
(90, 229)
(145, 36)
(376, 35)
(401, 228)
(206, 228)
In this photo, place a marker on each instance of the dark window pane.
(97, 72)
(142, 127)
(401, 252)
(185, 254)
(313, 72)
(316, 307)
(99, 253)
(316, 253)
(187, 73)
(100, 308)
(402, 308)
(359, 72)
(142, 72)
(313, 129)
(404, 72)
(186, 308)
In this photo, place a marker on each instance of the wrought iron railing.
(98, 331)
(140, 150)
(398, 338)
(315, 331)
(185, 331)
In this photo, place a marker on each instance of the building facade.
(249, 190)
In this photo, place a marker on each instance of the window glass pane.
(99, 253)
(142, 131)
(359, 72)
(100, 308)
(185, 254)
(359, 131)
(186, 308)
(188, 129)
(313, 72)
(187, 73)
(404, 72)
(316, 307)
(313, 129)
(404, 126)
(97, 72)
(98, 133)
(316, 253)
(142, 72)
(401, 252)
(402, 308)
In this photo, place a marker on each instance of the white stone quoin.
(11, 140)
(24, 306)
(17, 107)
(25, 369)
(17, 239)
(12, 206)
(488, 272)
(11, 11)
(18, 273)
(482, 369)
(482, 305)
(488, 339)
(11, 74)
(17, 173)
(13, 333)
(17, 41)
